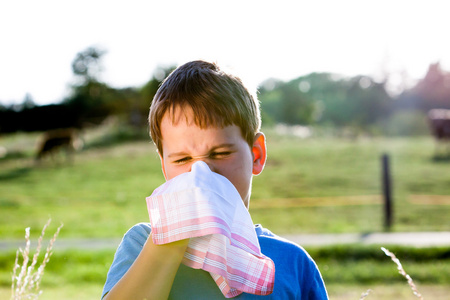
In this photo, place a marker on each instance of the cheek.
(173, 171)
(239, 175)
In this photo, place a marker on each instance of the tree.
(433, 91)
(328, 99)
(284, 103)
(149, 90)
(91, 99)
(87, 64)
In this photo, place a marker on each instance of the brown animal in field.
(439, 120)
(59, 140)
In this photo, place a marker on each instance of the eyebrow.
(177, 154)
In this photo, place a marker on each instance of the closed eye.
(182, 160)
(212, 155)
(218, 155)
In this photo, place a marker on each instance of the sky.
(257, 39)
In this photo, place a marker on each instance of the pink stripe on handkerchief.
(205, 207)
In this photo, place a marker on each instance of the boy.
(201, 113)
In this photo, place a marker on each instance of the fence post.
(387, 192)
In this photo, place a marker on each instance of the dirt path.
(416, 239)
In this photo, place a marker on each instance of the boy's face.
(224, 150)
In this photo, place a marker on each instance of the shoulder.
(290, 258)
(296, 272)
(140, 230)
(134, 239)
(272, 241)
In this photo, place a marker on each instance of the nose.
(204, 159)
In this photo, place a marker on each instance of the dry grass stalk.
(402, 271)
(25, 285)
(364, 295)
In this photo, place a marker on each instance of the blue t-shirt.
(296, 274)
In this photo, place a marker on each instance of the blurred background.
(342, 85)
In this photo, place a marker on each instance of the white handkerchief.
(206, 207)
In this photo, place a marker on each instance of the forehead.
(180, 127)
(186, 115)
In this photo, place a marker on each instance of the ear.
(162, 164)
(259, 151)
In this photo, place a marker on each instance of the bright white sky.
(260, 39)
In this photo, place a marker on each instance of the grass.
(359, 264)
(394, 291)
(309, 185)
(27, 271)
(100, 188)
(70, 291)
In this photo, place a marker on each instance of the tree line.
(324, 100)
(89, 104)
(358, 103)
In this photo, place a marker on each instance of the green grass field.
(312, 185)
(316, 185)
